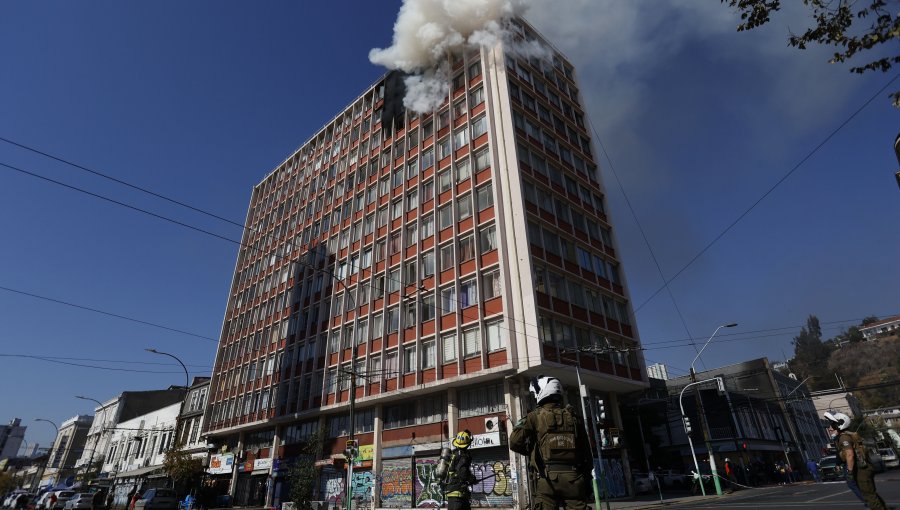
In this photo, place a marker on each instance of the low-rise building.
(11, 437)
(884, 327)
(67, 449)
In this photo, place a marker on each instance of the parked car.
(674, 479)
(642, 483)
(157, 499)
(889, 456)
(830, 468)
(80, 501)
(61, 498)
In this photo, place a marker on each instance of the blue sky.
(198, 101)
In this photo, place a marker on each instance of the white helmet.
(838, 421)
(543, 387)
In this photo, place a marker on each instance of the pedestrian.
(459, 474)
(730, 477)
(813, 470)
(553, 438)
(53, 499)
(97, 500)
(109, 499)
(853, 453)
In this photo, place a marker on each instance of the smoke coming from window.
(427, 31)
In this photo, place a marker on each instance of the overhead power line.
(103, 312)
(768, 192)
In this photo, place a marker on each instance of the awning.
(138, 472)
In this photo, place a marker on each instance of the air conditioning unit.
(492, 424)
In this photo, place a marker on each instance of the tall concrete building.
(430, 264)
(11, 437)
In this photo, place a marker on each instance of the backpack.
(557, 428)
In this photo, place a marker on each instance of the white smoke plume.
(426, 31)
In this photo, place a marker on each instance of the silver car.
(80, 501)
(157, 499)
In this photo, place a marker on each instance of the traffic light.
(601, 411)
(352, 449)
(687, 425)
(744, 446)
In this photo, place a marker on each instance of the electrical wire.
(103, 312)
(769, 191)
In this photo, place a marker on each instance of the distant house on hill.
(889, 326)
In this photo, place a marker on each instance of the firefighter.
(460, 477)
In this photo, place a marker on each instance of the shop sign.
(428, 447)
(488, 440)
(221, 463)
(248, 465)
(262, 464)
(366, 452)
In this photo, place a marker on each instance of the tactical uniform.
(553, 438)
(459, 478)
(862, 474)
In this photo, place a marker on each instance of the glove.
(521, 422)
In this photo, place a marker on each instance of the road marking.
(829, 496)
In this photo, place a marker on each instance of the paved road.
(828, 495)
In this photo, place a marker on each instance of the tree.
(7, 482)
(811, 355)
(183, 468)
(869, 320)
(302, 473)
(834, 26)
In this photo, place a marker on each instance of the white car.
(889, 456)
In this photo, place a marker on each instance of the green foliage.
(7, 482)
(811, 356)
(834, 26)
(869, 320)
(181, 466)
(302, 473)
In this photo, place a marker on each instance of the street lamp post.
(90, 463)
(703, 425)
(54, 441)
(187, 378)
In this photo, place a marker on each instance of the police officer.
(460, 477)
(860, 474)
(553, 438)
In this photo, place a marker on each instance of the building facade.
(188, 435)
(658, 371)
(423, 267)
(66, 450)
(11, 437)
(882, 328)
(108, 415)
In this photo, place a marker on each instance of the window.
(482, 159)
(427, 226)
(393, 320)
(484, 197)
(396, 209)
(481, 400)
(409, 359)
(466, 248)
(412, 168)
(411, 234)
(460, 139)
(448, 300)
(490, 285)
(479, 126)
(447, 257)
(428, 354)
(445, 217)
(377, 325)
(468, 293)
(488, 238)
(411, 276)
(494, 336)
(463, 169)
(428, 190)
(428, 158)
(448, 344)
(412, 200)
(393, 280)
(394, 243)
(476, 98)
(428, 264)
(445, 181)
(471, 342)
(464, 207)
(427, 308)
